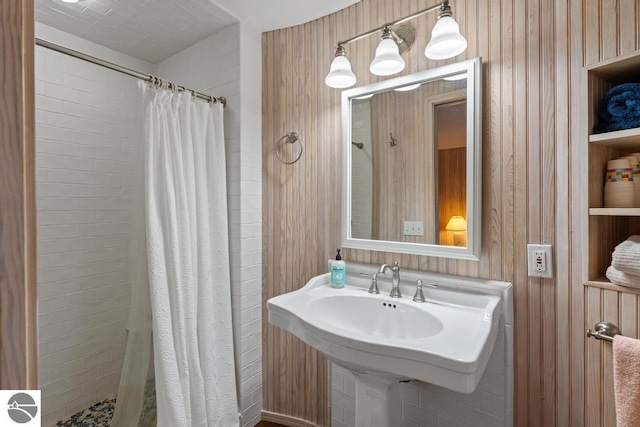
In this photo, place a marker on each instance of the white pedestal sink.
(377, 400)
(445, 341)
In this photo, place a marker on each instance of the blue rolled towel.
(619, 109)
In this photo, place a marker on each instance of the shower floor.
(98, 415)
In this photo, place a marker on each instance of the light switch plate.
(414, 228)
(540, 261)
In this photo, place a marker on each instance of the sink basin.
(373, 318)
(445, 341)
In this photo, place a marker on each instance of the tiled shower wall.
(223, 64)
(362, 171)
(85, 136)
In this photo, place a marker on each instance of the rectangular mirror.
(411, 180)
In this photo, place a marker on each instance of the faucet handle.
(373, 289)
(419, 296)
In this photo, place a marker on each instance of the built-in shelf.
(604, 283)
(599, 282)
(621, 69)
(608, 226)
(627, 139)
(614, 211)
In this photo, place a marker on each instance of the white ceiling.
(267, 15)
(153, 30)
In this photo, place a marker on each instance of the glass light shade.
(456, 223)
(408, 87)
(70, 1)
(387, 60)
(340, 74)
(446, 40)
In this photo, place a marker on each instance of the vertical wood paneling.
(18, 346)
(529, 411)
(593, 361)
(592, 13)
(521, 213)
(609, 29)
(562, 319)
(609, 312)
(535, 125)
(628, 16)
(620, 308)
(550, 144)
(410, 164)
(578, 206)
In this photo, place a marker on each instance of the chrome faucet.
(395, 279)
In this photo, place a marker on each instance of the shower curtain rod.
(124, 70)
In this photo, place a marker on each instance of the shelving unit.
(608, 226)
(614, 211)
(604, 283)
(628, 139)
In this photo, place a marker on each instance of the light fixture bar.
(446, 42)
(399, 21)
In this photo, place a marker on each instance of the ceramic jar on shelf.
(619, 188)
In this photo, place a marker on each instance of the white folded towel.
(626, 256)
(618, 277)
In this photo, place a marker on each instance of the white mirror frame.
(474, 163)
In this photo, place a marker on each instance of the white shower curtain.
(188, 260)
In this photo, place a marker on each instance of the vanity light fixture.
(446, 42)
(387, 60)
(340, 74)
(70, 1)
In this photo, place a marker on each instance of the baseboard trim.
(286, 420)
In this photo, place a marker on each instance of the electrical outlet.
(414, 228)
(540, 261)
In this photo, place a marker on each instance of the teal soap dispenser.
(338, 272)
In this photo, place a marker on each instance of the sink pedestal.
(377, 400)
(446, 342)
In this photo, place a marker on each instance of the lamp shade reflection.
(458, 225)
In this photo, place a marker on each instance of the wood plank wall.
(534, 164)
(18, 345)
(622, 309)
(409, 165)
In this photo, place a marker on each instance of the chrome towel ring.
(290, 138)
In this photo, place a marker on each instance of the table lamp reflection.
(458, 225)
